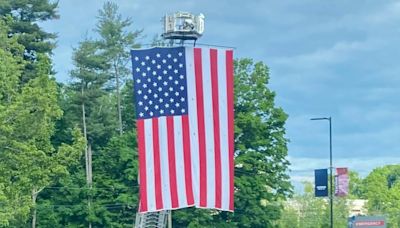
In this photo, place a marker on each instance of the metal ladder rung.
(152, 219)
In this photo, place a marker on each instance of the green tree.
(10, 71)
(64, 204)
(355, 186)
(261, 148)
(26, 14)
(87, 95)
(28, 160)
(128, 97)
(114, 192)
(115, 43)
(25, 17)
(194, 217)
(382, 190)
(91, 100)
(116, 169)
(306, 210)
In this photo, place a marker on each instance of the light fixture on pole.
(183, 26)
(330, 166)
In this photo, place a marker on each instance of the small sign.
(321, 182)
(367, 222)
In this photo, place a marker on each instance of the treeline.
(49, 130)
(380, 189)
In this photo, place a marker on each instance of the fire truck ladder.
(152, 219)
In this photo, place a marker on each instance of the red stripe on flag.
(142, 165)
(230, 85)
(157, 165)
(187, 160)
(201, 128)
(217, 143)
(171, 161)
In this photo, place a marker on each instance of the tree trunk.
(88, 152)
(118, 99)
(85, 135)
(84, 118)
(90, 178)
(34, 212)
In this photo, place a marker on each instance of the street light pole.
(331, 168)
(330, 164)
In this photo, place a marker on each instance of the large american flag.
(184, 111)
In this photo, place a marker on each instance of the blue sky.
(326, 58)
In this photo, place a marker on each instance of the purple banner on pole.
(342, 182)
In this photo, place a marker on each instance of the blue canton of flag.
(160, 82)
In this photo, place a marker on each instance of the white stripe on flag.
(223, 121)
(192, 112)
(162, 130)
(180, 162)
(209, 127)
(151, 201)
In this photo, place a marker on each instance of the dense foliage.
(28, 111)
(22, 18)
(306, 210)
(382, 189)
(48, 131)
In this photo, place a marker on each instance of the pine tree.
(115, 43)
(24, 25)
(87, 93)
